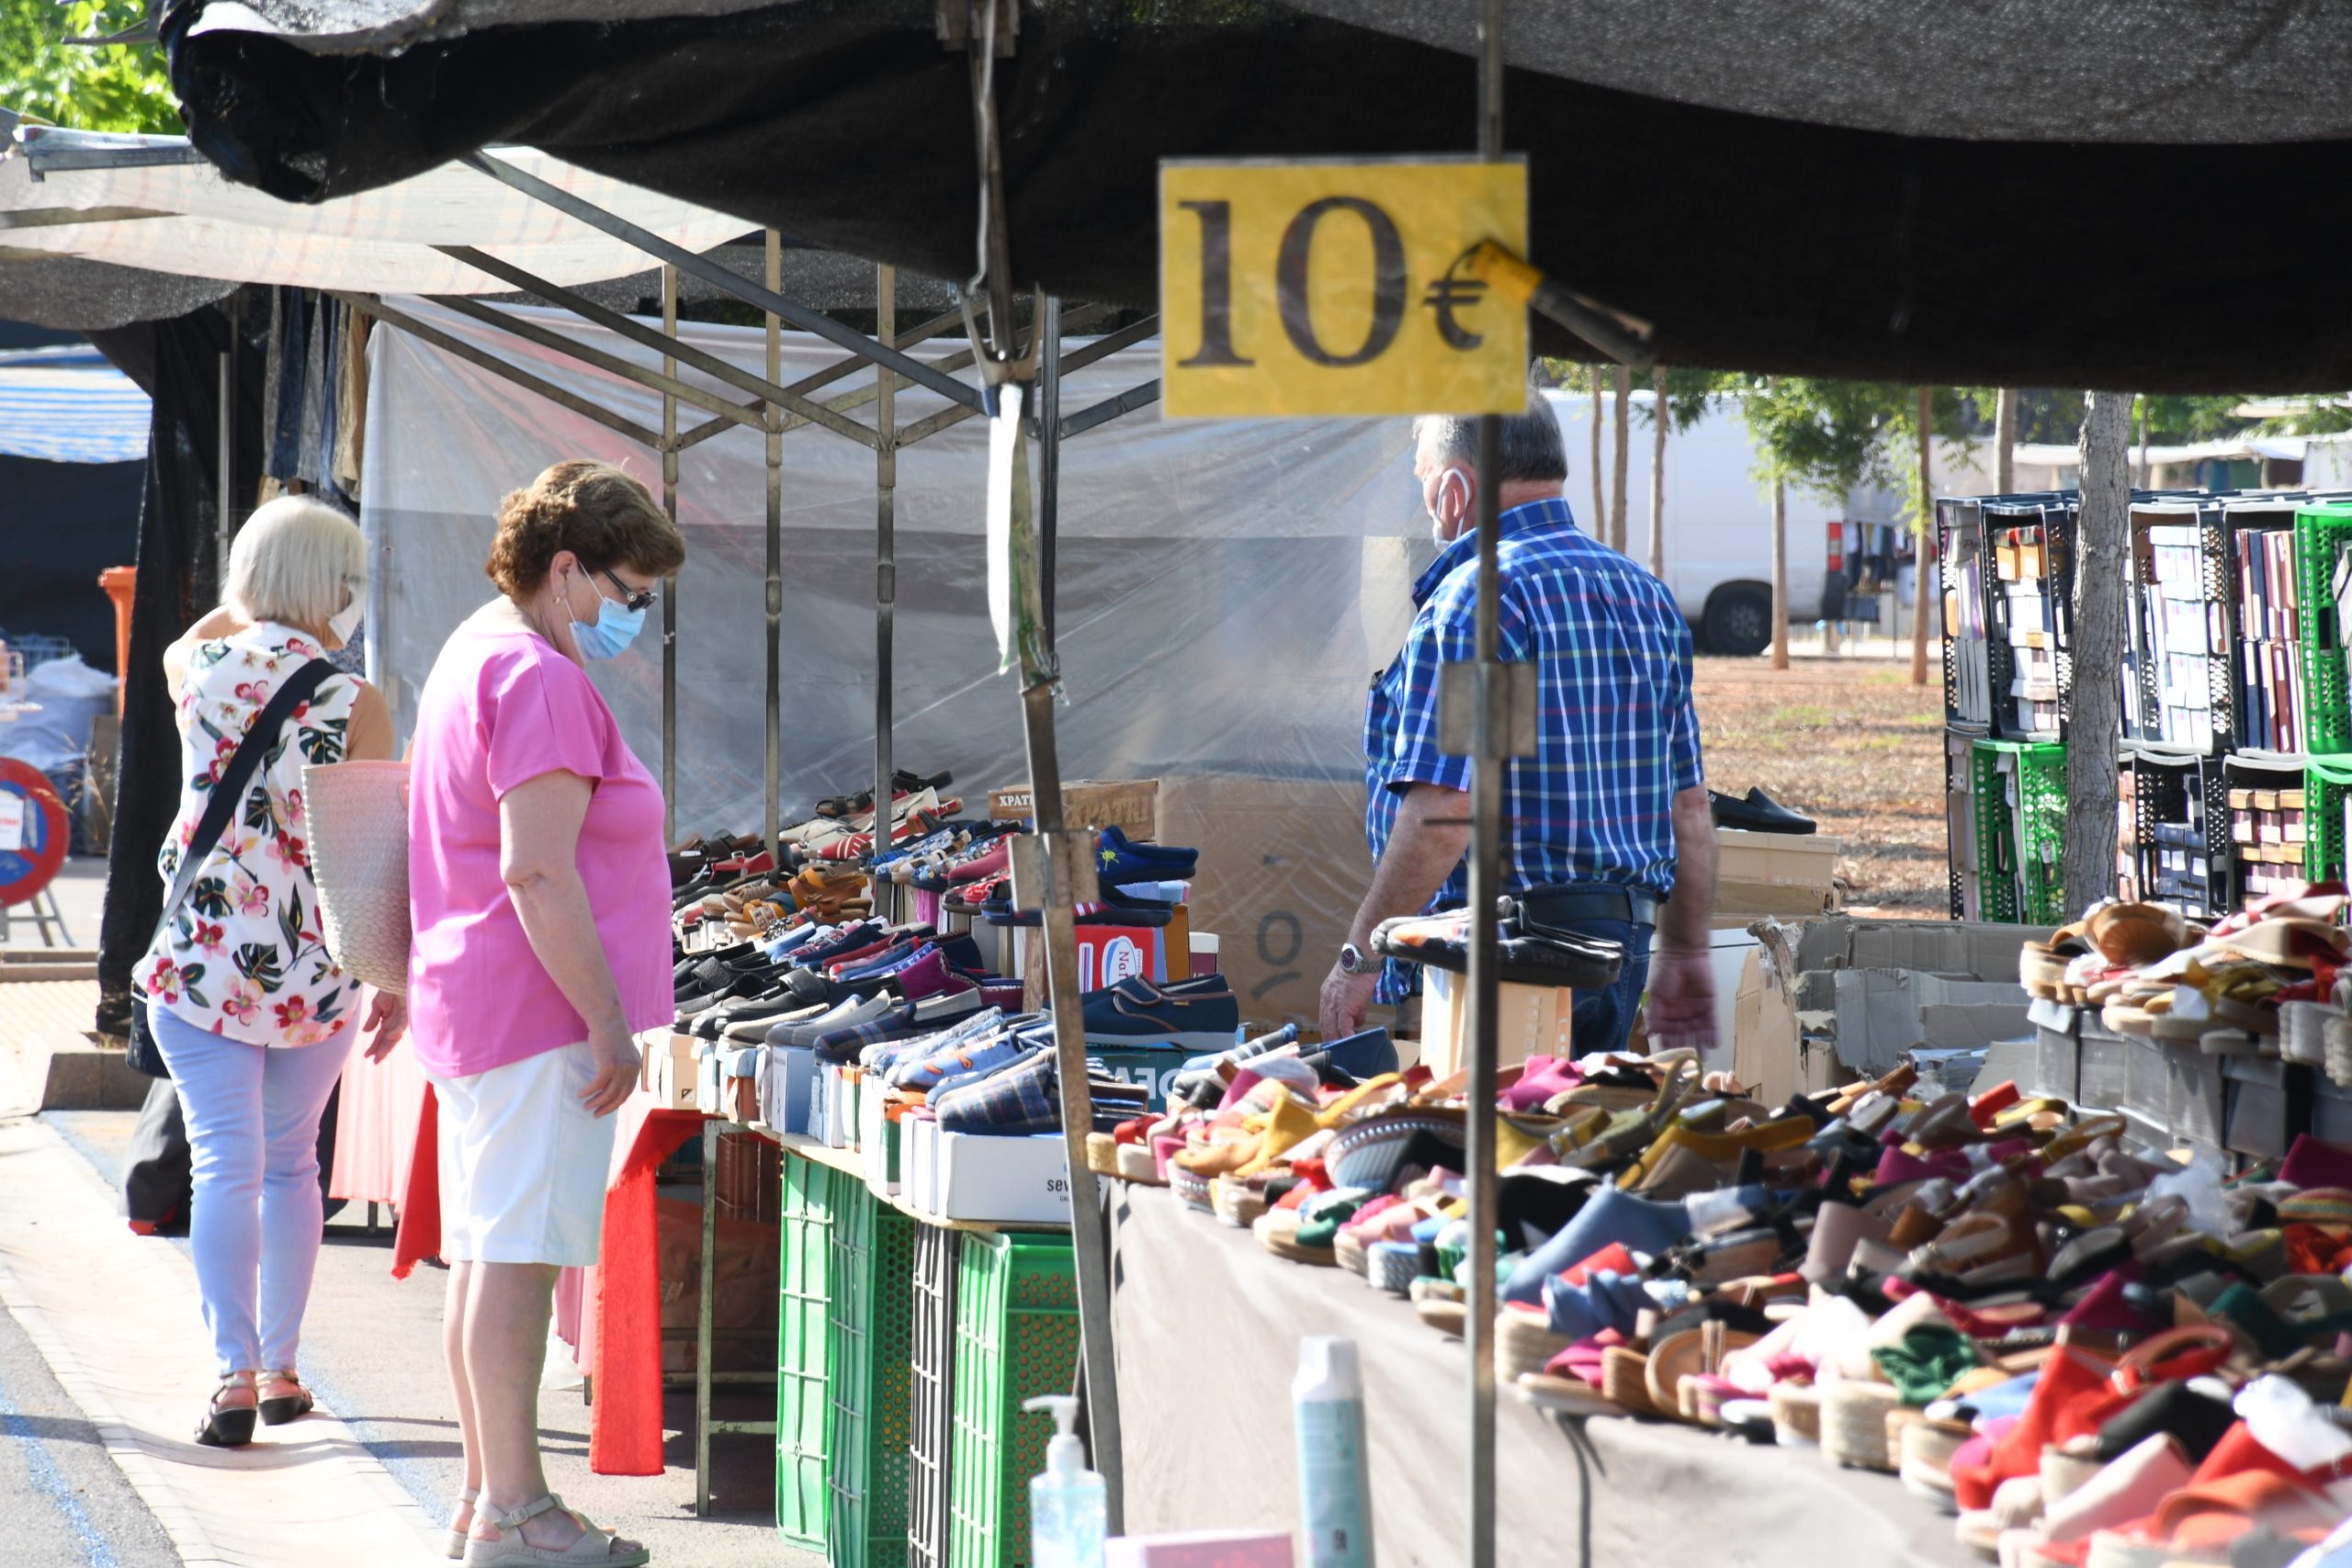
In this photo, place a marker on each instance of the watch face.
(1351, 959)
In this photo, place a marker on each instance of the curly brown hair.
(595, 511)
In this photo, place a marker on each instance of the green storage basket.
(2033, 892)
(1016, 1338)
(2320, 533)
(802, 1405)
(2327, 786)
(869, 1346)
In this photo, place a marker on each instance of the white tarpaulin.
(183, 218)
(1225, 590)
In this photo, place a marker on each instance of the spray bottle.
(1069, 1515)
(1334, 1479)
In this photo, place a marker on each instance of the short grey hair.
(293, 561)
(1532, 450)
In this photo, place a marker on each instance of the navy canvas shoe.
(1118, 861)
(1199, 1014)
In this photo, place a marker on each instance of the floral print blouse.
(244, 957)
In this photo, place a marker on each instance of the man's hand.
(388, 1016)
(1345, 998)
(1682, 1006)
(616, 1069)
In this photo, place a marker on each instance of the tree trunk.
(1923, 547)
(1600, 489)
(1658, 416)
(2147, 470)
(1779, 573)
(2097, 647)
(1617, 464)
(2004, 442)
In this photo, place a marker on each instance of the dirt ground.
(1850, 742)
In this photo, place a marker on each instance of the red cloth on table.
(625, 1422)
(376, 1116)
(418, 1235)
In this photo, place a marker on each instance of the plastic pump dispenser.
(1068, 1514)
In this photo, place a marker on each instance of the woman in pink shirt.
(541, 900)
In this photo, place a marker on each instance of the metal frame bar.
(670, 584)
(680, 259)
(772, 809)
(1490, 759)
(886, 575)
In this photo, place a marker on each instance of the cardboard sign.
(1338, 287)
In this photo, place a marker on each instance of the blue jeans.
(252, 1132)
(1603, 1019)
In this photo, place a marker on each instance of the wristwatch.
(1351, 959)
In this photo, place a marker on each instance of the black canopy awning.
(2126, 193)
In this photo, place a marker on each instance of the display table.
(1206, 1325)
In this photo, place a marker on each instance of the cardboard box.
(1777, 859)
(1106, 954)
(920, 1163)
(1154, 1069)
(1132, 805)
(874, 1141)
(1775, 1049)
(1530, 1020)
(667, 1069)
(1201, 1549)
(1283, 867)
(788, 1088)
(1002, 1181)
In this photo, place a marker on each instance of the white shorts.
(524, 1162)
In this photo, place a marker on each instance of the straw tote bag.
(358, 814)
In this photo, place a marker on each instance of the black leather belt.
(1569, 903)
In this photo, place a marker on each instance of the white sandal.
(595, 1548)
(455, 1550)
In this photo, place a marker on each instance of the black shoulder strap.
(230, 793)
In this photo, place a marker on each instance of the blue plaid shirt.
(1618, 738)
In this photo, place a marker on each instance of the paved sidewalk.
(133, 1357)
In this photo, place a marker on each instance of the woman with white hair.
(251, 1013)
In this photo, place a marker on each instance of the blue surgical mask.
(609, 635)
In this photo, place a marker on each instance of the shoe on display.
(1119, 861)
(1199, 1014)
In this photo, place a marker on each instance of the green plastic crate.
(869, 1346)
(802, 1406)
(1016, 1338)
(2321, 532)
(2033, 892)
(2327, 786)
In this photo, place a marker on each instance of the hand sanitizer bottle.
(1067, 1512)
(1334, 1481)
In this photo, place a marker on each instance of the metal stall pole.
(885, 573)
(774, 418)
(224, 528)
(703, 1317)
(670, 584)
(1055, 863)
(1049, 450)
(1489, 756)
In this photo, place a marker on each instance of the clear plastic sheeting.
(1224, 594)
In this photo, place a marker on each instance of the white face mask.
(346, 621)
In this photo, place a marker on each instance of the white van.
(1718, 519)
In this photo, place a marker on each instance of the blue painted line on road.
(50, 1482)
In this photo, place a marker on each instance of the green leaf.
(259, 961)
(289, 919)
(259, 810)
(210, 896)
(191, 976)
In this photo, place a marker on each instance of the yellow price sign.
(1341, 288)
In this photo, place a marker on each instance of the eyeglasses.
(633, 598)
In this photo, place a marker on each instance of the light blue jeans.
(252, 1132)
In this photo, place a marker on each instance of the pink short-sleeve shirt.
(502, 708)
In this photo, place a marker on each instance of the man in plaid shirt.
(1610, 830)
